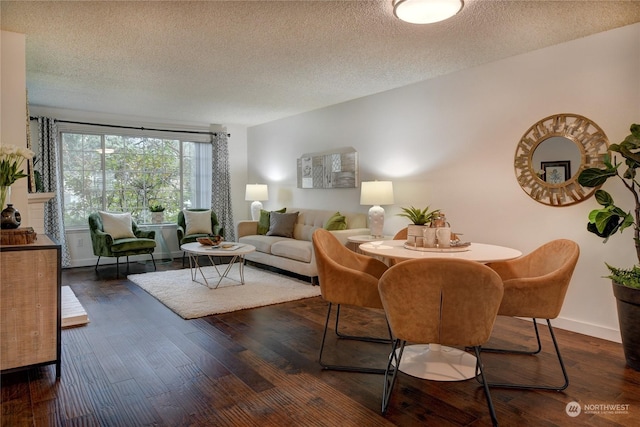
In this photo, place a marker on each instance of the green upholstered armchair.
(105, 245)
(183, 238)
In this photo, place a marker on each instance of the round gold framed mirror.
(552, 153)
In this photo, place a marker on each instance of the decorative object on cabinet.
(376, 193)
(11, 159)
(581, 135)
(11, 218)
(332, 169)
(23, 236)
(30, 308)
(257, 193)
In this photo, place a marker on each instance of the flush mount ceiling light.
(426, 11)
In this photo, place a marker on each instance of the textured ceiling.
(250, 62)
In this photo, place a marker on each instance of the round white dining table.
(434, 361)
(480, 252)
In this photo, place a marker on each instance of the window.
(125, 173)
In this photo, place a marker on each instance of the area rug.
(189, 299)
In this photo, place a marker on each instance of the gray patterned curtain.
(221, 185)
(50, 169)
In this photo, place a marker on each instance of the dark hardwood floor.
(137, 363)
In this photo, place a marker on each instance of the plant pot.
(157, 217)
(628, 302)
(415, 234)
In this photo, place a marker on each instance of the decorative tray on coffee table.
(456, 246)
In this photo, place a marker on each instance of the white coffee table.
(236, 252)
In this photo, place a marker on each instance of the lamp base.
(256, 207)
(376, 220)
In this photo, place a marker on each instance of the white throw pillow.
(197, 222)
(118, 225)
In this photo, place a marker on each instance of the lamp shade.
(426, 11)
(376, 193)
(256, 192)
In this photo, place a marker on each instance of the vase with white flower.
(12, 159)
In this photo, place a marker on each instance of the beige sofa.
(296, 254)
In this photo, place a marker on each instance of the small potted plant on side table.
(157, 213)
(605, 221)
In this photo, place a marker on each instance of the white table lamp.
(256, 192)
(376, 193)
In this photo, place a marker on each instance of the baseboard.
(583, 328)
(589, 329)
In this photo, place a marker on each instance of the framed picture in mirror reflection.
(556, 172)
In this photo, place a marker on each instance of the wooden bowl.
(209, 241)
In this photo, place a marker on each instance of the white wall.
(13, 127)
(450, 143)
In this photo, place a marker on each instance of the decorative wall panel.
(333, 169)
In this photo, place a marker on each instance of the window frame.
(195, 136)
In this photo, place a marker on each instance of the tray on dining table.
(456, 247)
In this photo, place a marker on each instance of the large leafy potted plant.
(611, 218)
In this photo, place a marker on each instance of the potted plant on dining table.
(420, 218)
(611, 218)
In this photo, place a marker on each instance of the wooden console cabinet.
(30, 306)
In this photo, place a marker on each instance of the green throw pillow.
(336, 222)
(264, 222)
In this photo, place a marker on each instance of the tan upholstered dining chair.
(451, 302)
(402, 234)
(535, 286)
(346, 278)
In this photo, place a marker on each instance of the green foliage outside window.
(129, 174)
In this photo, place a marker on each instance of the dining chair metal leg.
(342, 367)
(357, 337)
(392, 370)
(535, 386)
(480, 368)
(97, 262)
(510, 351)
